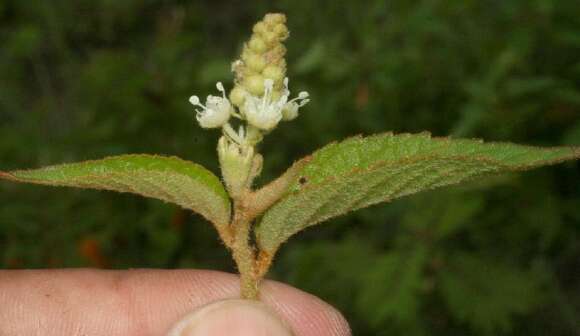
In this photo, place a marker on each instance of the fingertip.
(308, 314)
(233, 317)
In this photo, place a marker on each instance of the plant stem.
(243, 252)
(248, 204)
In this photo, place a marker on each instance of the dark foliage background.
(83, 79)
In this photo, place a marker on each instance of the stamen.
(268, 83)
(232, 134)
(241, 132)
(194, 100)
(221, 89)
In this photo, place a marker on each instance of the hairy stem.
(248, 204)
(243, 252)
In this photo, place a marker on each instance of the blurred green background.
(83, 79)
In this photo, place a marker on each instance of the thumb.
(234, 317)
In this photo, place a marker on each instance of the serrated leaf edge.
(295, 189)
(10, 175)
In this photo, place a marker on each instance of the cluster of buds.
(260, 98)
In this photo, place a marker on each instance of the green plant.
(338, 178)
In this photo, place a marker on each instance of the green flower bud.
(262, 58)
(256, 63)
(259, 28)
(247, 53)
(254, 84)
(272, 19)
(237, 96)
(237, 163)
(270, 38)
(278, 52)
(281, 30)
(275, 73)
(257, 44)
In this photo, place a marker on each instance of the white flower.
(217, 110)
(265, 113)
(290, 110)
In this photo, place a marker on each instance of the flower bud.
(256, 63)
(270, 38)
(254, 84)
(275, 73)
(262, 57)
(272, 19)
(237, 96)
(236, 163)
(277, 53)
(281, 30)
(290, 112)
(259, 27)
(257, 44)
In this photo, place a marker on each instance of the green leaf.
(443, 214)
(170, 179)
(362, 171)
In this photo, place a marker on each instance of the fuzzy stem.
(243, 253)
(248, 204)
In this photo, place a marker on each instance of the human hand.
(151, 302)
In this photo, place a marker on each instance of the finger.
(140, 302)
(232, 317)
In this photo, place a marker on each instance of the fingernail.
(232, 318)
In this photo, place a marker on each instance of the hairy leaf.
(166, 178)
(362, 171)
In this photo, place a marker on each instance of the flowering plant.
(341, 177)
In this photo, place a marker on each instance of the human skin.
(140, 302)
